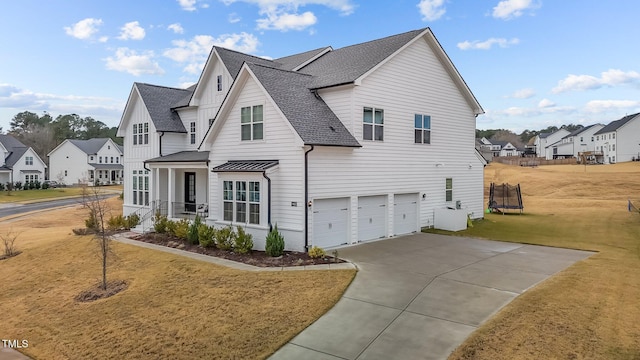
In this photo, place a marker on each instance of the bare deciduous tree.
(94, 201)
(8, 241)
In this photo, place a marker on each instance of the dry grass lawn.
(592, 309)
(174, 308)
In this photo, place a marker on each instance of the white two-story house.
(579, 141)
(544, 143)
(18, 162)
(619, 141)
(93, 161)
(335, 146)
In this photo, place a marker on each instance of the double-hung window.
(135, 134)
(28, 160)
(373, 124)
(219, 80)
(448, 192)
(243, 204)
(140, 186)
(251, 122)
(422, 129)
(192, 130)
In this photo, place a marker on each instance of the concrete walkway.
(421, 296)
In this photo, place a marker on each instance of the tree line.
(525, 137)
(43, 133)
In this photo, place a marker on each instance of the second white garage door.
(330, 222)
(372, 217)
(405, 213)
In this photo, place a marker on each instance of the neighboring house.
(619, 141)
(333, 146)
(93, 161)
(581, 140)
(19, 163)
(484, 150)
(499, 148)
(544, 141)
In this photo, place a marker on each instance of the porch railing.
(182, 210)
(146, 214)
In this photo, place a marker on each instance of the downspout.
(306, 198)
(264, 174)
(160, 143)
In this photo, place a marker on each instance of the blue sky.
(530, 63)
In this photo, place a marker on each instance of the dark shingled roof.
(233, 60)
(293, 61)
(345, 65)
(159, 101)
(245, 166)
(91, 146)
(182, 156)
(309, 115)
(615, 125)
(15, 148)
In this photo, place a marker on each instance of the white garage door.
(330, 222)
(372, 217)
(405, 213)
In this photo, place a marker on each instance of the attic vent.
(332, 128)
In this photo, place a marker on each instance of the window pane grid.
(422, 129)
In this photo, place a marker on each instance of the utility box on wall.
(450, 219)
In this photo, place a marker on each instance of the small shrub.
(244, 241)
(160, 223)
(37, 185)
(116, 222)
(91, 222)
(1, 186)
(192, 233)
(316, 252)
(182, 229)
(225, 238)
(17, 185)
(275, 243)
(45, 186)
(206, 235)
(171, 227)
(26, 186)
(131, 221)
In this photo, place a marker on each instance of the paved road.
(14, 209)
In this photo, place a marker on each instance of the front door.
(190, 192)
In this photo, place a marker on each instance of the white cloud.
(127, 60)
(523, 94)
(84, 29)
(609, 78)
(132, 31)
(285, 22)
(187, 5)
(431, 9)
(508, 9)
(176, 28)
(195, 52)
(618, 106)
(234, 18)
(283, 15)
(104, 109)
(546, 103)
(487, 44)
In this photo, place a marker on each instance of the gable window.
(243, 205)
(100, 159)
(112, 159)
(28, 160)
(91, 157)
(192, 130)
(219, 80)
(373, 124)
(117, 160)
(251, 121)
(140, 134)
(422, 129)
(448, 192)
(108, 147)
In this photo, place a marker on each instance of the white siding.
(70, 158)
(135, 155)
(174, 142)
(287, 178)
(20, 168)
(413, 82)
(628, 141)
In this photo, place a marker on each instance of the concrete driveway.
(422, 295)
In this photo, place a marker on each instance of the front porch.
(106, 174)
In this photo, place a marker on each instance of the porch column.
(170, 192)
(156, 185)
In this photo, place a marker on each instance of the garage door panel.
(372, 217)
(330, 222)
(405, 213)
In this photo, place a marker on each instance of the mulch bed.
(96, 292)
(255, 258)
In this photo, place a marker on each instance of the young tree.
(94, 201)
(8, 241)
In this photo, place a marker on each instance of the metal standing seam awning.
(31, 171)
